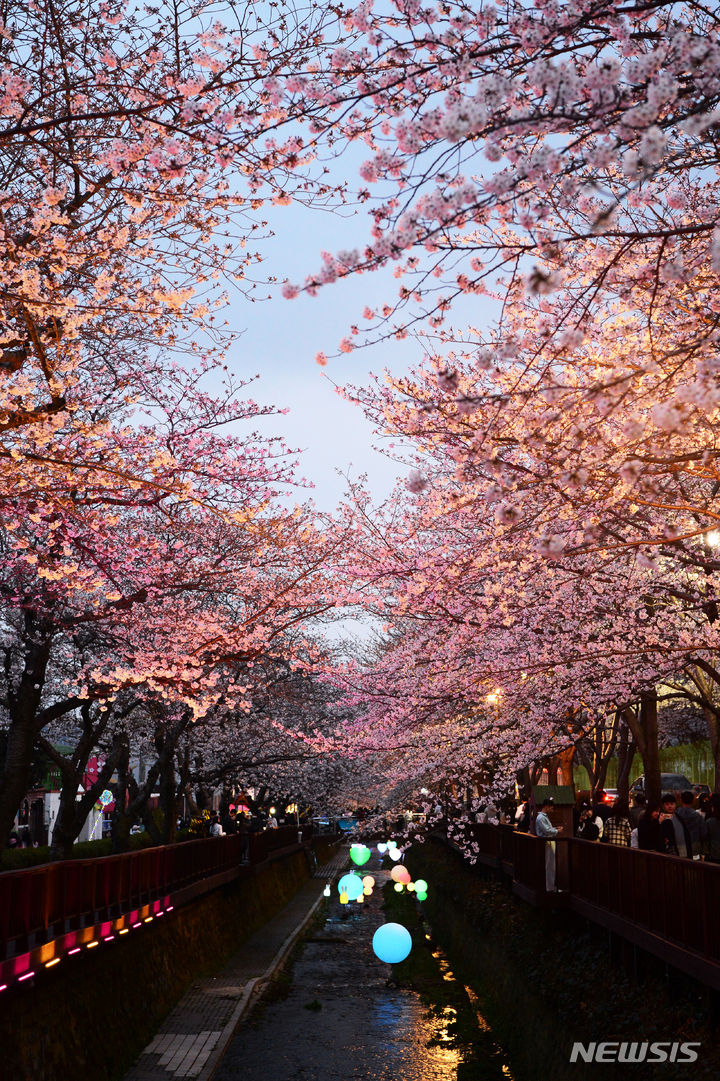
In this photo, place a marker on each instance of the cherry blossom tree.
(150, 581)
(138, 147)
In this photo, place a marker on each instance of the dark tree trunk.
(625, 756)
(643, 723)
(23, 704)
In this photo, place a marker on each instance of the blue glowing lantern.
(352, 885)
(392, 943)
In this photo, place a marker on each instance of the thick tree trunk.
(168, 801)
(713, 727)
(643, 723)
(18, 760)
(73, 812)
(23, 704)
(625, 756)
(64, 834)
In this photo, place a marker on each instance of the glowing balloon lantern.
(344, 898)
(400, 874)
(360, 854)
(394, 854)
(368, 880)
(392, 943)
(326, 891)
(352, 885)
(367, 890)
(411, 887)
(421, 895)
(399, 887)
(360, 899)
(382, 847)
(421, 885)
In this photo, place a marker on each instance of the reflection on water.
(345, 1017)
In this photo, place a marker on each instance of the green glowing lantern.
(421, 895)
(420, 885)
(359, 854)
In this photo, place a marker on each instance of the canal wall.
(545, 979)
(92, 1015)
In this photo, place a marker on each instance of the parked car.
(609, 795)
(669, 782)
(701, 790)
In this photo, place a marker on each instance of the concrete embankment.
(91, 1015)
(545, 980)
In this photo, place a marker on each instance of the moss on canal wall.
(92, 1015)
(545, 979)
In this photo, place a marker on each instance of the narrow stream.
(339, 1016)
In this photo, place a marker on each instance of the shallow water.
(359, 1025)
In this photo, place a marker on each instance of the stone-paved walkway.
(194, 1035)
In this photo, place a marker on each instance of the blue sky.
(279, 340)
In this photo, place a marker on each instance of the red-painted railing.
(40, 902)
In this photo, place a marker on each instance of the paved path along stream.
(339, 1017)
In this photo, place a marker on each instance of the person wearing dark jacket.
(675, 838)
(587, 830)
(637, 810)
(712, 824)
(649, 827)
(694, 821)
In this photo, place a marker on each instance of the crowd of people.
(688, 827)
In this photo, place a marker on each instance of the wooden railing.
(664, 904)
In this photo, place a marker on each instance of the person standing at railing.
(547, 832)
(712, 824)
(649, 827)
(523, 817)
(243, 828)
(675, 839)
(694, 821)
(587, 828)
(638, 809)
(617, 827)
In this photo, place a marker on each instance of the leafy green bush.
(14, 859)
